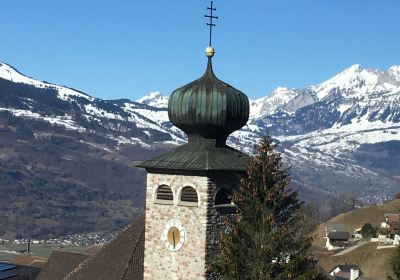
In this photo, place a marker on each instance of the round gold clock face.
(174, 235)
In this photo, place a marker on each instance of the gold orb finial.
(210, 52)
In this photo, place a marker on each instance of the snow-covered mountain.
(146, 118)
(333, 129)
(281, 99)
(341, 136)
(9, 73)
(155, 99)
(357, 82)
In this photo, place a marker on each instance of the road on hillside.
(348, 250)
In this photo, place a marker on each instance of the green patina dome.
(208, 108)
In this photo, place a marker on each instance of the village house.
(389, 230)
(348, 272)
(336, 237)
(337, 240)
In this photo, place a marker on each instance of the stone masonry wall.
(203, 225)
(189, 262)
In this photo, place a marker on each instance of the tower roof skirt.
(200, 156)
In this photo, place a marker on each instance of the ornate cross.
(211, 17)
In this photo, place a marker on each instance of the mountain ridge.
(341, 143)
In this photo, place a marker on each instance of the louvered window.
(189, 194)
(165, 193)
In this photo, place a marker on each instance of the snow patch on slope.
(9, 73)
(65, 121)
(394, 71)
(94, 111)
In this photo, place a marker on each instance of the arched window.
(223, 198)
(164, 195)
(189, 197)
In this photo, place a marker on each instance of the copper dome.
(208, 108)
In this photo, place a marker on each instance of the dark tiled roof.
(200, 156)
(17, 272)
(339, 235)
(342, 275)
(120, 259)
(61, 263)
(28, 260)
(93, 249)
(345, 270)
(347, 267)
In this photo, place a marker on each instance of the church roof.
(199, 156)
(61, 263)
(28, 260)
(120, 259)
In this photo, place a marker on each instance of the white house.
(350, 272)
(385, 224)
(337, 240)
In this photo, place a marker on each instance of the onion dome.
(208, 108)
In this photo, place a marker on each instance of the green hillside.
(357, 218)
(373, 262)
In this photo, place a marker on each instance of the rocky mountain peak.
(394, 72)
(356, 82)
(155, 99)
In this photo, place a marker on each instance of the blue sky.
(127, 48)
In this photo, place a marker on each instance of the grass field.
(373, 262)
(8, 251)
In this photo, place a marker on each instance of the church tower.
(189, 188)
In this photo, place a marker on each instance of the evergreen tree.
(367, 231)
(264, 240)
